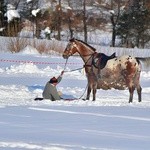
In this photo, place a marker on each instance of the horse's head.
(70, 49)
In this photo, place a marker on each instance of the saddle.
(100, 60)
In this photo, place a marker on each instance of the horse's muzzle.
(65, 56)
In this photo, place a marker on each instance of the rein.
(81, 67)
(92, 55)
(65, 64)
(84, 55)
(64, 70)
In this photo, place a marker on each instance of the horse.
(115, 72)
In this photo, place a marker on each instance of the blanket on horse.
(100, 60)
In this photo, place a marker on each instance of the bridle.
(71, 54)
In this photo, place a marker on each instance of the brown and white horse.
(119, 73)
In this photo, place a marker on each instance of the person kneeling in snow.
(50, 91)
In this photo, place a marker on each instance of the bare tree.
(59, 13)
(1, 13)
(70, 19)
(56, 19)
(2, 17)
(114, 19)
(17, 4)
(84, 21)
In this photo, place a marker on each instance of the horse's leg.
(138, 87)
(139, 91)
(88, 92)
(131, 90)
(94, 91)
(94, 94)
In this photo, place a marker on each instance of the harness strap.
(96, 63)
(87, 65)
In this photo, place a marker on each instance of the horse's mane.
(87, 45)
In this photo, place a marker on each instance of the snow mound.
(24, 68)
(146, 74)
(29, 50)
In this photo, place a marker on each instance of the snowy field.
(109, 123)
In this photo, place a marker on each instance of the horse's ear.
(72, 40)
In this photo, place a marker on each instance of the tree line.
(130, 19)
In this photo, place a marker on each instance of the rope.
(84, 91)
(65, 64)
(72, 71)
(91, 55)
(64, 70)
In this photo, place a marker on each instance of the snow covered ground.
(109, 123)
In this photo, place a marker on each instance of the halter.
(71, 54)
(85, 65)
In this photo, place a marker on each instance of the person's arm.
(60, 77)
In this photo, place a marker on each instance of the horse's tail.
(145, 60)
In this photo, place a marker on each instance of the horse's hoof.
(84, 99)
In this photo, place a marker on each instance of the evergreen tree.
(28, 14)
(133, 25)
(2, 17)
(28, 7)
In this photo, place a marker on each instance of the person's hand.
(62, 73)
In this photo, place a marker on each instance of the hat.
(53, 80)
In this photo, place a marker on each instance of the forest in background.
(126, 20)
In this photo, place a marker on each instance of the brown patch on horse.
(130, 74)
(130, 67)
